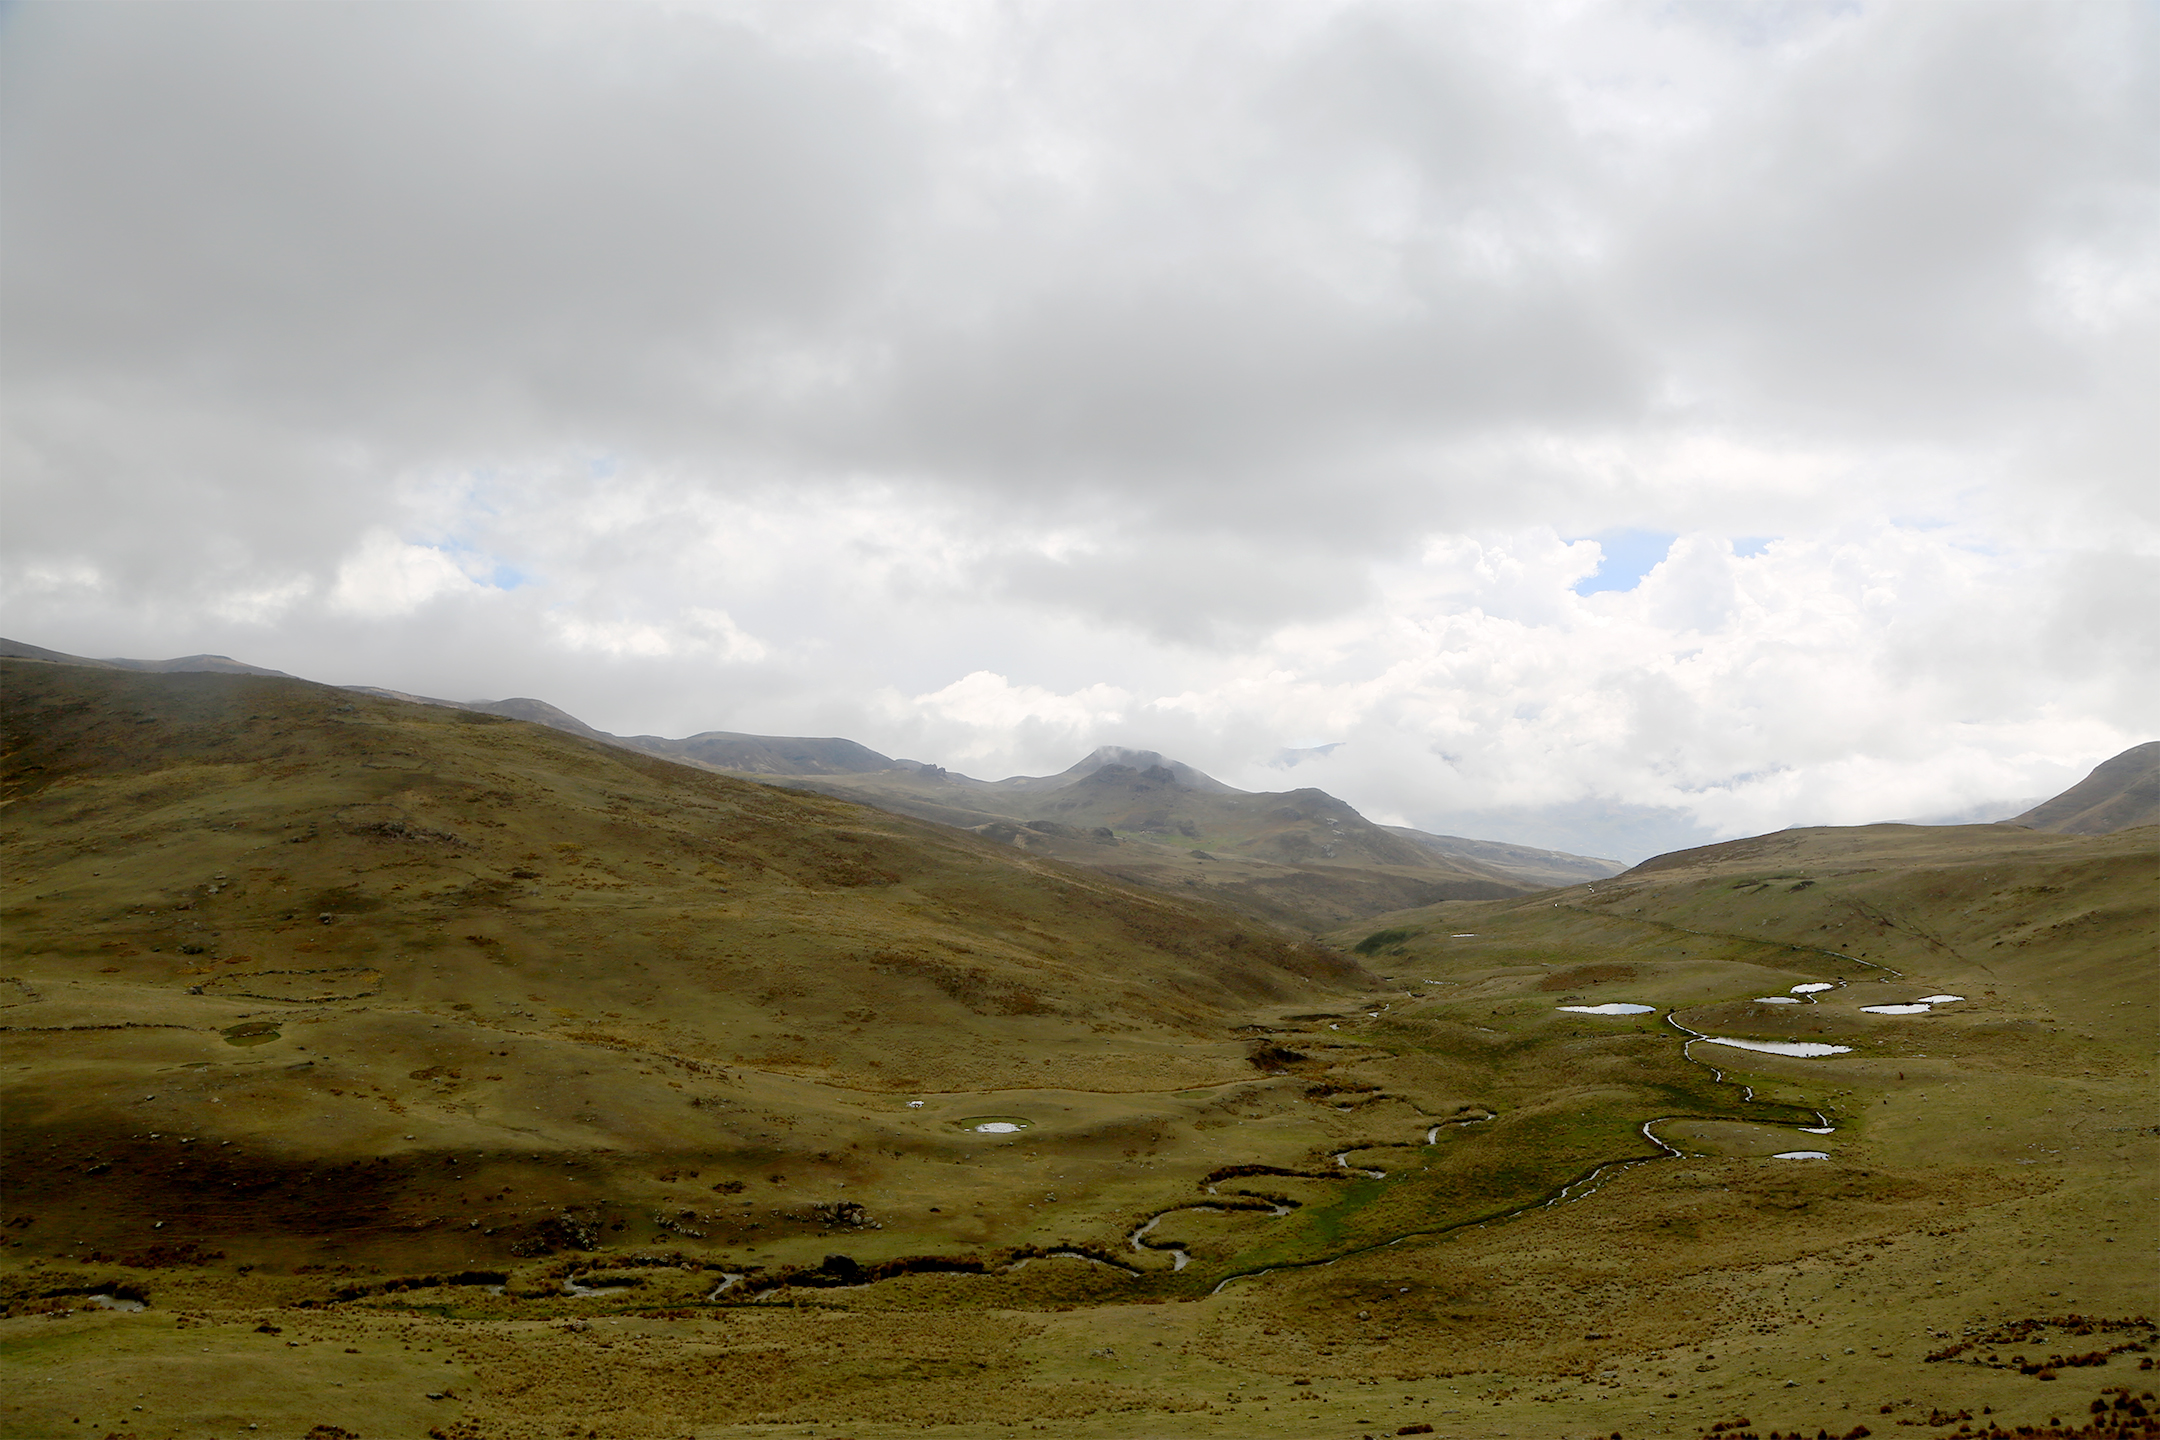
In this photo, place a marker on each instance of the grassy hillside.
(2120, 793)
(495, 936)
(1300, 859)
(430, 1074)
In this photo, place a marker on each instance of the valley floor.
(1985, 1207)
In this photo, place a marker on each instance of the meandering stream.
(742, 1286)
(1577, 1188)
(1594, 1179)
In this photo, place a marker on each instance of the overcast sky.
(1618, 424)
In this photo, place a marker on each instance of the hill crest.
(2121, 792)
(1301, 857)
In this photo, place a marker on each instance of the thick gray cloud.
(988, 381)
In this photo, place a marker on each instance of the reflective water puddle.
(1801, 1155)
(1806, 1049)
(1920, 1006)
(995, 1124)
(1740, 1139)
(1613, 1009)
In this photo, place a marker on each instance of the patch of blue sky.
(1747, 547)
(482, 568)
(1628, 555)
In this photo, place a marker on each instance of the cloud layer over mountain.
(1618, 423)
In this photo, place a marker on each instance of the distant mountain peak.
(1148, 763)
(1139, 761)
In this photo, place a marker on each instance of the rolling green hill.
(2121, 793)
(1301, 859)
(425, 1072)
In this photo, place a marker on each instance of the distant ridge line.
(1313, 839)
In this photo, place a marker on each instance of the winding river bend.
(1595, 1178)
(1579, 1187)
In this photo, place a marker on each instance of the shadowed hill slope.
(2120, 793)
(459, 854)
(1301, 859)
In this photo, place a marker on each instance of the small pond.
(995, 1124)
(1806, 1049)
(1920, 1006)
(1801, 1155)
(1813, 987)
(1615, 1008)
(1775, 1000)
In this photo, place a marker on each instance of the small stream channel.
(1594, 1179)
(1582, 1186)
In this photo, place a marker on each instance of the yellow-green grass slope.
(311, 930)
(1657, 1298)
